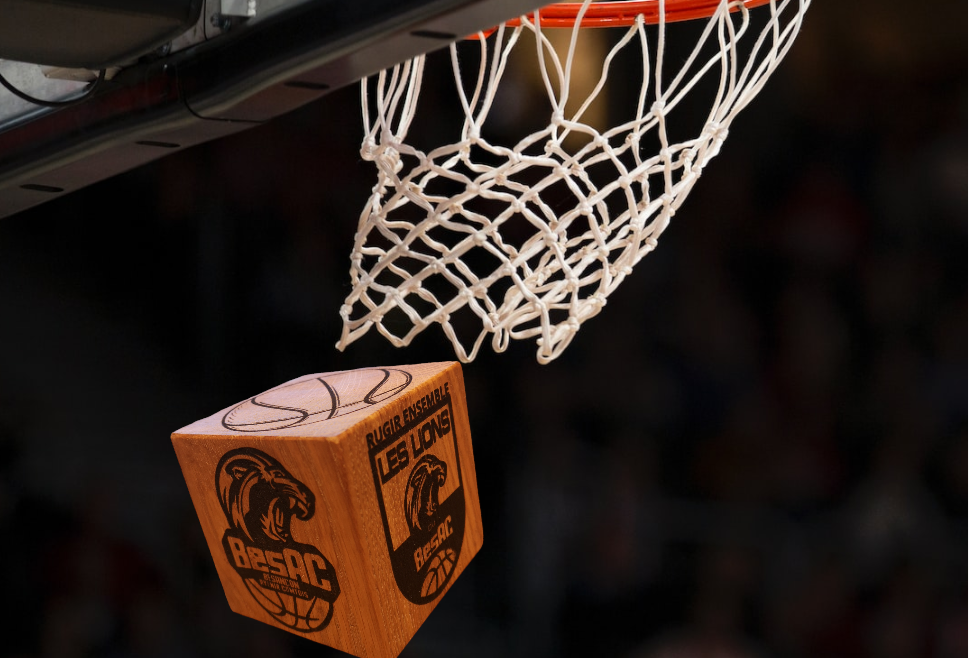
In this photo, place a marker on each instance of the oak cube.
(339, 506)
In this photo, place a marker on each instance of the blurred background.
(759, 448)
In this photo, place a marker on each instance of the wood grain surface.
(339, 506)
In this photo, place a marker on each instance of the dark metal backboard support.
(257, 71)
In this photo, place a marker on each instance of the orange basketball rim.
(623, 12)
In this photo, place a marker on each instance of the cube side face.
(348, 539)
(414, 463)
(276, 541)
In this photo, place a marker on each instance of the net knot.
(550, 147)
(389, 159)
(367, 148)
(716, 131)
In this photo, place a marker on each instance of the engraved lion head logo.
(422, 494)
(260, 497)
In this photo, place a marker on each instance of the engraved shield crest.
(420, 494)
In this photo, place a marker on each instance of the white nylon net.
(529, 240)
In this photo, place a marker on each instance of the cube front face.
(339, 506)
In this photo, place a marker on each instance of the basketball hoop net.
(529, 241)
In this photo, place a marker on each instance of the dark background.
(759, 448)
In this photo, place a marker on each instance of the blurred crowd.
(758, 448)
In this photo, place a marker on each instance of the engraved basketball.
(295, 612)
(439, 571)
(315, 399)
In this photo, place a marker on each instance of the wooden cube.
(339, 506)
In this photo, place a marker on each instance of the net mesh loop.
(467, 236)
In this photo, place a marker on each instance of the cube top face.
(321, 405)
(339, 506)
